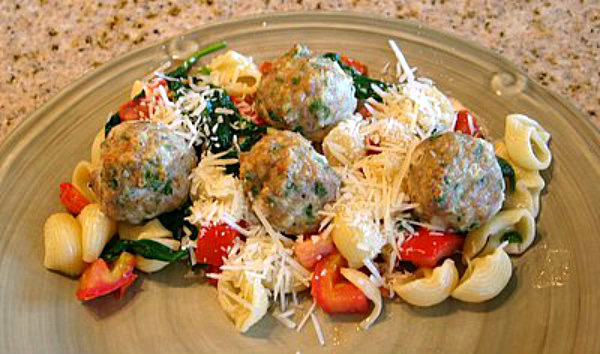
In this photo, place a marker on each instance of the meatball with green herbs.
(143, 172)
(305, 93)
(288, 181)
(456, 180)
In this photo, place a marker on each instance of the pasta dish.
(302, 178)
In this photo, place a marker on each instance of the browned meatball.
(288, 181)
(456, 180)
(144, 171)
(305, 93)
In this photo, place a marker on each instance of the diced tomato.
(425, 249)
(364, 112)
(72, 199)
(309, 252)
(133, 110)
(98, 280)
(332, 292)
(138, 108)
(265, 67)
(213, 243)
(245, 106)
(154, 84)
(361, 68)
(463, 126)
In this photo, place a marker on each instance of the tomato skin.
(72, 199)
(138, 108)
(358, 66)
(212, 244)
(309, 253)
(332, 292)
(462, 124)
(364, 112)
(98, 280)
(133, 110)
(246, 108)
(265, 67)
(426, 250)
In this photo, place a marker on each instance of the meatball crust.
(306, 94)
(143, 171)
(288, 181)
(456, 180)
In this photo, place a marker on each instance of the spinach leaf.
(512, 237)
(507, 172)
(145, 248)
(113, 121)
(362, 83)
(175, 221)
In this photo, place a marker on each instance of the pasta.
(356, 236)
(81, 179)
(485, 277)
(528, 185)
(96, 148)
(62, 244)
(243, 299)
(345, 143)
(519, 220)
(434, 287)
(96, 230)
(235, 73)
(527, 142)
(153, 229)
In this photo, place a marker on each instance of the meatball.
(143, 171)
(304, 93)
(288, 181)
(456, 180)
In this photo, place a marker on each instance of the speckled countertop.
(46, 44)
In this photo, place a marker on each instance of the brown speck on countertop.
(47, 44)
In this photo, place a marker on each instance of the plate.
(550, 305)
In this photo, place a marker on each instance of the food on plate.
(218, 165)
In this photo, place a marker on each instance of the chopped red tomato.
(426, 248)
(361, 68)
(246, 108)
(364, 112)
(138, 108)
(133, 110)
(265, 67)
(332, 292)
(213, 243)
(72, 199)
(309, 252)
(466, 123)
(98, 280)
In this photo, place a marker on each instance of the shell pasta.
(527, 142)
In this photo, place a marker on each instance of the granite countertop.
(46, 44)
